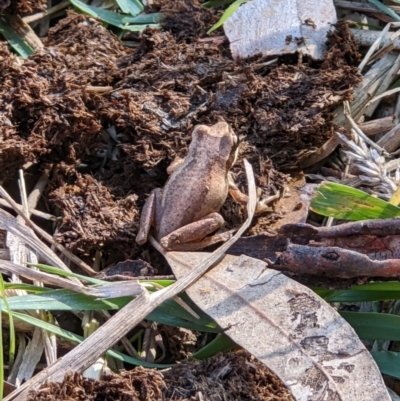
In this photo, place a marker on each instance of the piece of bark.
(366, 38)
(265, 26)
(334, 262)
(377, 126)
(391, 141)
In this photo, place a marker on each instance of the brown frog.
(186, 210)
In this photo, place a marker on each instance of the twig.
(52, 10)
(25, 31)
(47, 236)
(377, 126)
(35, 212)
(358, 131)
(374, 46)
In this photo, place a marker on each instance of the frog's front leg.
(148, 217)
(193, 232)
(241, 198)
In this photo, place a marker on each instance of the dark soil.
(110, 119)
(230, 377)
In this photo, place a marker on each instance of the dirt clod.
(138, 384)
(231, 377)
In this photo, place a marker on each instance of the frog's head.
(219, 139)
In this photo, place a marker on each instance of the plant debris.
(139, 384)
(112, 119)
(25, 7)
(232, 376)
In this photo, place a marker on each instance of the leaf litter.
(117, 141)
(231, 376)
(111, 118)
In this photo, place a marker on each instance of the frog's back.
(196, 189)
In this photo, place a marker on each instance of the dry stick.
(371, 106)
(25, 31)
(86, 353)
(391, 141)
(35, 212)
(378, 126)
(367, 38)
(374, 46)
(52, 10)
(47, 236)
(358, 131)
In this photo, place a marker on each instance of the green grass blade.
(169, 312)
(374, 326)
(388, 362)
(63, 273)
(11, 351)
(385, 9)
(217, 3)
(26, 287)
(78, 339)
(358, 296)
(389, 290)
(95, 281)
(132, 7)
(2, 354)
(221, 343)
(15, 41)
(143, 19)
(228, 12)
(109, 17)
(343, 202)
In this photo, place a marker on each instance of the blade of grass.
(374, 326)
(221, 343)
(357, 296)
(118, 20)
(388, 362)
(343, 202)
(132, 7)
(385, 9)
(2, 354)
(217, 3)
(389, 290)
(26, 287)
(144, 18)
(78, 339)
(11, 350)
(15, 41)
(92, 280)
(228, 12)
(169, 312)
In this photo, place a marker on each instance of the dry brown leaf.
(286, 326)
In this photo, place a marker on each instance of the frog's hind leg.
(193, 232)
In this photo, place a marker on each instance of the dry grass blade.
(374, 46)
(35, 212)
(132, 314)
(35, 275)
(52, 10)
(9, 223)
(47, 236)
